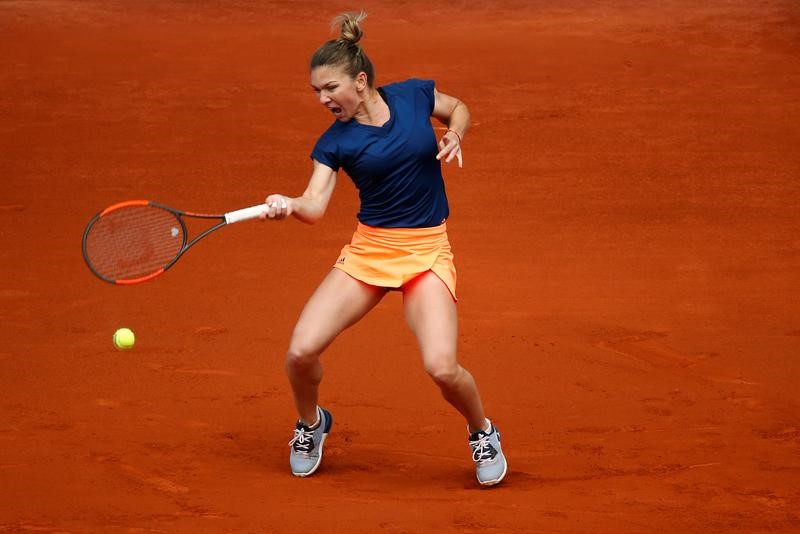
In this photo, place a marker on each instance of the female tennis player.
(383, 139)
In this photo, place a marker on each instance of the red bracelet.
(455, 132)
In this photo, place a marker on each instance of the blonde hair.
(345, 50)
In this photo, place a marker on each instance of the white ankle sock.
(316, 423)
(486, 429)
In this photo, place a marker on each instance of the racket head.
(133, 241)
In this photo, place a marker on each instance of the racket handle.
(245, 214)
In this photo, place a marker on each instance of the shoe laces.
(482, 450)
(303, 440)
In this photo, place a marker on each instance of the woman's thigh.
(338, 303)
(432, 316)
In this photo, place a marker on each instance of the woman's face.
(337, 91)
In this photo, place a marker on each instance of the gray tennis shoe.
(490, 463)
(306, 446)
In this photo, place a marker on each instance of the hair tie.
(455, 132)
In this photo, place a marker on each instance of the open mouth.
(337, 112)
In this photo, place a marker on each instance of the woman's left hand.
(450, 147)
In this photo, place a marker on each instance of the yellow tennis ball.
(124, 339)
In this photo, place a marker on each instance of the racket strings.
(133, 242)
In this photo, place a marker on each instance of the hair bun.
(350, 24)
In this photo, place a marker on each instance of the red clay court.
(625, 226)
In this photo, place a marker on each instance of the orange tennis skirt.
(392, 257)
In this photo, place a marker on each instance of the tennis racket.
(137, 240)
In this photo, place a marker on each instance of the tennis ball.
(124, 339)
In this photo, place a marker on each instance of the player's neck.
(373, 111)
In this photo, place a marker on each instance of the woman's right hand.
(279, 207)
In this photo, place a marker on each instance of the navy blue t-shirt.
(394, 166)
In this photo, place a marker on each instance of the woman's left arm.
(454, 114)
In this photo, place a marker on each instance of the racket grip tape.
(245, 214)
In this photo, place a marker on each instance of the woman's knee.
(444, 372)
(301, 355)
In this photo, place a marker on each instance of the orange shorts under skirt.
(392, 257)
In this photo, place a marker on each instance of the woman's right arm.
(311, 205)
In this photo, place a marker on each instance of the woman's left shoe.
(490, 463)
